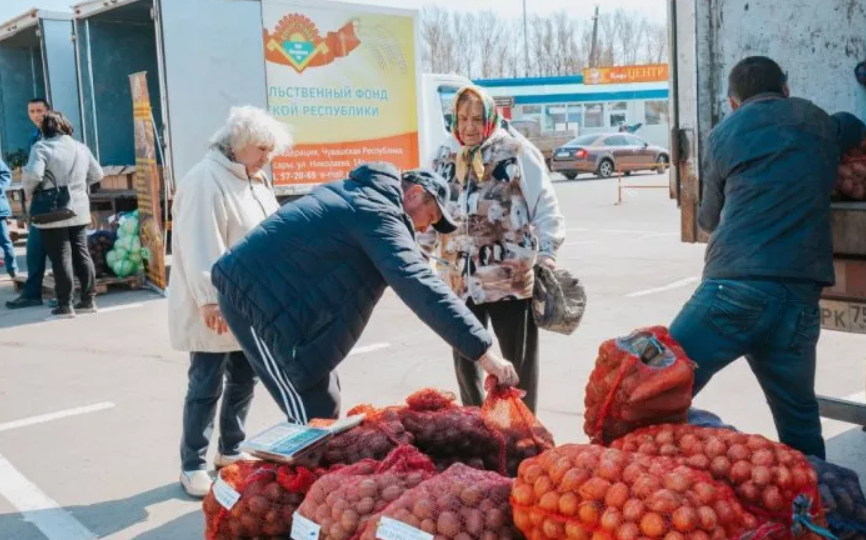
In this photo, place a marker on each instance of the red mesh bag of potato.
(461, 504)
(851, 179)
(452, 434)
(639, 380)
(525, 437)
(379, 434)
(583, 492)
(255, 499)
(342, 502)
(770, 479)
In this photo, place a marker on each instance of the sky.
(653, 9)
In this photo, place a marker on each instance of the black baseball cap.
(435, 185)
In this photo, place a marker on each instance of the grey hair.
(248, 125)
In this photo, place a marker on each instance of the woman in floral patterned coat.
(508, 221)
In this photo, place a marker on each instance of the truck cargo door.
(212, 57)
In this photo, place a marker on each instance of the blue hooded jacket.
(769, 170)
(307, 279)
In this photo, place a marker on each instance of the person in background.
(300, 289)
(217, 203)
(508, 220)
(72, 165)
(769, 170)
(31, 293)
(5, 213)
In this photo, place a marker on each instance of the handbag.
(50, 205)
(558, 300)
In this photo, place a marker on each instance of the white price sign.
(304, 529)
(225, 494)
(391, 529)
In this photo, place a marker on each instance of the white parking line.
(668, 287)
(112, 309)
(659, 235)
(38, 508)
(41, 419)
(369, 348)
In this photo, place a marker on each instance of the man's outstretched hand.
(500, 368)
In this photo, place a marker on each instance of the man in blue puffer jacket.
(299, 290)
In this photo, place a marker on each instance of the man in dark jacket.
(31, 293)
(299, 290)
(768, 173)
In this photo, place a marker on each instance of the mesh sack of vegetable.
(461, 504)
(342, 502)
(558, 300)
(639, 380)
(380, 433)
(452, 434)
(525, 437)
(851, 178)
(255, 498)
(770, 479)
(583, 492)
(842, 499)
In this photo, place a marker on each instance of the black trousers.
(66, 247)
(518, 338)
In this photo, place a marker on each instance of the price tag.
(225, 494)
(304, 529)
(391, 529)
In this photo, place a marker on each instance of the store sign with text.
(626, 74)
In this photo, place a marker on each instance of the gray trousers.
(517, 334)
(206, 374)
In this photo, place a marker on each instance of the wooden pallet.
(103, 284)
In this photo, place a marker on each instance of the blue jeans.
(206, 372)
(8, 248)
(776, 326)
(35, 264)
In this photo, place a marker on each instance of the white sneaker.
(221, 461)
(196, 483)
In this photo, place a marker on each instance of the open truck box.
(201, 57)
(37, 59)
(818, 43)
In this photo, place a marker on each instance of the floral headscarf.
(471, 155)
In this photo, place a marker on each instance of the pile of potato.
(451, 434)
(842, 499)
(343, 501)
(851, 180)
(270, 494)
(639, 380)
(460, 504)
(584, 492)
(381, 432)
(766, 476)
(525, 437)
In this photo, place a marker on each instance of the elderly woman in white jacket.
(217, 203)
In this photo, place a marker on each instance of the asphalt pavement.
(90, 408)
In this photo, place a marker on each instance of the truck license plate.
(843, 316)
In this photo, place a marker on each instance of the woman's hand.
(500, 368)
(210, 313)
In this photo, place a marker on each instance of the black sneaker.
(63, 312)
(53, 303)
(86, 307)
(22, 302)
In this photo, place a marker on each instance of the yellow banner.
(345, 79)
